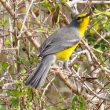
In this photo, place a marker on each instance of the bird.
(60, 45)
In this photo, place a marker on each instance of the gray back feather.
(60, 40)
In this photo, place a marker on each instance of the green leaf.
(82, 104)
(96, 27)
(45, 4)
(19, 61)
(74, 98)
(2, 107)
(78, 103)
(3, 22)
(106, 27)
(15, 93)
(23, 71)
(101, 46)
(7, 42)
(107, 13)
(91, 39)
(14, 101)
(3, 66)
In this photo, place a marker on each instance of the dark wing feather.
(59, 47)
(60, 40)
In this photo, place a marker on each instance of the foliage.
(90, 71)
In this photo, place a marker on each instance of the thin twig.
(12, 13)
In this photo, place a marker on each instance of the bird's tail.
(39, 76)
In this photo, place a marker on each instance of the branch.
(71, 3)
(66, 80)
(8, 8)
(12, 13)
(105, 70)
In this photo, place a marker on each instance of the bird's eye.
(78, 18)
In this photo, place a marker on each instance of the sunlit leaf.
(3, 22)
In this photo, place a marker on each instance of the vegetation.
(24, 25)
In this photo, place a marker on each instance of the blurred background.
(24, 25)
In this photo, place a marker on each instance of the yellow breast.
(65, 54)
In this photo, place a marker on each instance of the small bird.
(60, 45)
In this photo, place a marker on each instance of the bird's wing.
(60, 40)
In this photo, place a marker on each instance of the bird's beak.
(88, 14)
(91, 11)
